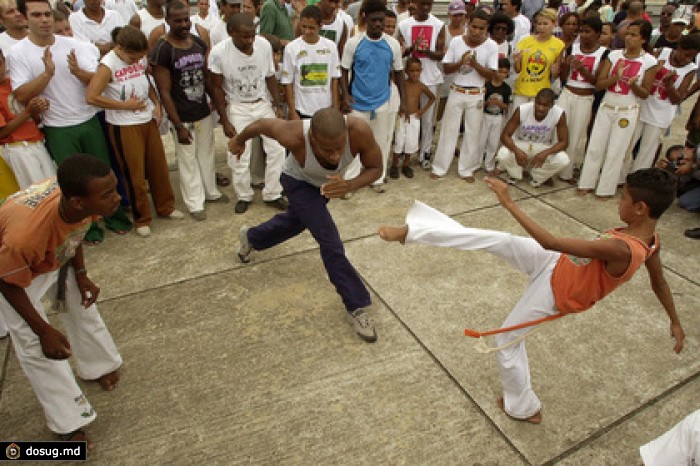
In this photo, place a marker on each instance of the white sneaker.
(143, 232)
(363, 325)
(176, 215)
(244, 248)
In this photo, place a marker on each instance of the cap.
(682, 15)
(457, 8)
(680, 20)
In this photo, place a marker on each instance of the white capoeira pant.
(551, 166)
(490, 140)
(241, 115)
(470, 106)
(195, 162)
(406, 135)
(30, 162)
(427, 120)
(429, 226)
(381, 121)
(650, 136)
(679, 446)
(94, 353)
(612, 132)
(578, 109)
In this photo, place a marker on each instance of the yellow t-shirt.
(536, 64)
(8, 183)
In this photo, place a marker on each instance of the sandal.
(78, 435)
(222, 180)
(94, 236)
(118, 222)
(108, 382)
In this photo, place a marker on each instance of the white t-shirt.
(208, 23)
(6, 42)
(91, 31)
(218, 33)
(349, 23)
(541, 132)
(311, 67)
(126, 8)
(334, 31)
(620, 92)
(522, 29)
(590, 61)
(678, 446)
(656, 109)
(148, 22)
(426, 31)
(244, 75)
(65, 92)
(127, 81)
(486, 55)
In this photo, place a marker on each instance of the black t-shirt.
(663, 42)
(187, 67)
(503, 92)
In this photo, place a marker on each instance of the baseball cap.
(457, 8)
(680, 16)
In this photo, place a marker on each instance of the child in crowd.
(24, 149)
(311, 69)
(628, 75)
(408, 128)
(497, 100)
(566, 275)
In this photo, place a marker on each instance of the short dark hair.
(239, 20)
(546, 93)
(373, 6)
(22, 5)
(479, 15)
(568, 15)
(76, 172)
(390, 14)
(517, 4)
(130, 38)
(312, 12)
(328, 122)
(500, 18)
(174, 5)
(594, 23)
(654, 187)
(690, 42)
(412, 61)
(673, 149)
(503, 63)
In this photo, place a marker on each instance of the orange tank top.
(579, 283)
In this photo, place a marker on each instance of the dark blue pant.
(307, 209)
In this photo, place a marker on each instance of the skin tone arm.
(431, 100)
(643, 91)
(676, 96)
(93, 94)
(562, 143)
(36, 86)
(400, 81)
(75, 69)
(219, 100)
(571, 62)
(33, 110)
(605, 78)
(663, 294)
(291, 102)
(335, 94)
(273, 89)
(164, 83)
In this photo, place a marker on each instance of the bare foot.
(78, 436)
(392, 233)
(469, 179)
(108, 382)
(433, 176)
(583, 192)
(536, 419)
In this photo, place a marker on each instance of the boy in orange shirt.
(566, 275)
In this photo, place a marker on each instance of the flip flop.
(94, 236)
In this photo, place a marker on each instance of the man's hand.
(73, 63)
(679, 335)
(538, 160)
(135, 104)
(500, 188)
(229, 130)
(88, 290)
(335, 188)
(235, 147)
(520, 157)
(49, 66)
(54, 344)
(184, 136)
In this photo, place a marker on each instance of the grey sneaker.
(363, 324)
(244, 248)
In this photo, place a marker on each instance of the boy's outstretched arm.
(614, 252)
(663, 293)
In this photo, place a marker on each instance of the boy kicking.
(566, 275)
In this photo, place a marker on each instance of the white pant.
(491, 129)
(458, 104)
(678, 446)
(382, 125)
(30, 162)
(551, 166)
(650, 136)
(94, 354)
(427, 120)
(195, 162)
(429, 226)
(407, 135)
(612, 132)
(578, 110)
(241, 115)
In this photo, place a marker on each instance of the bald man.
(321, 150)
